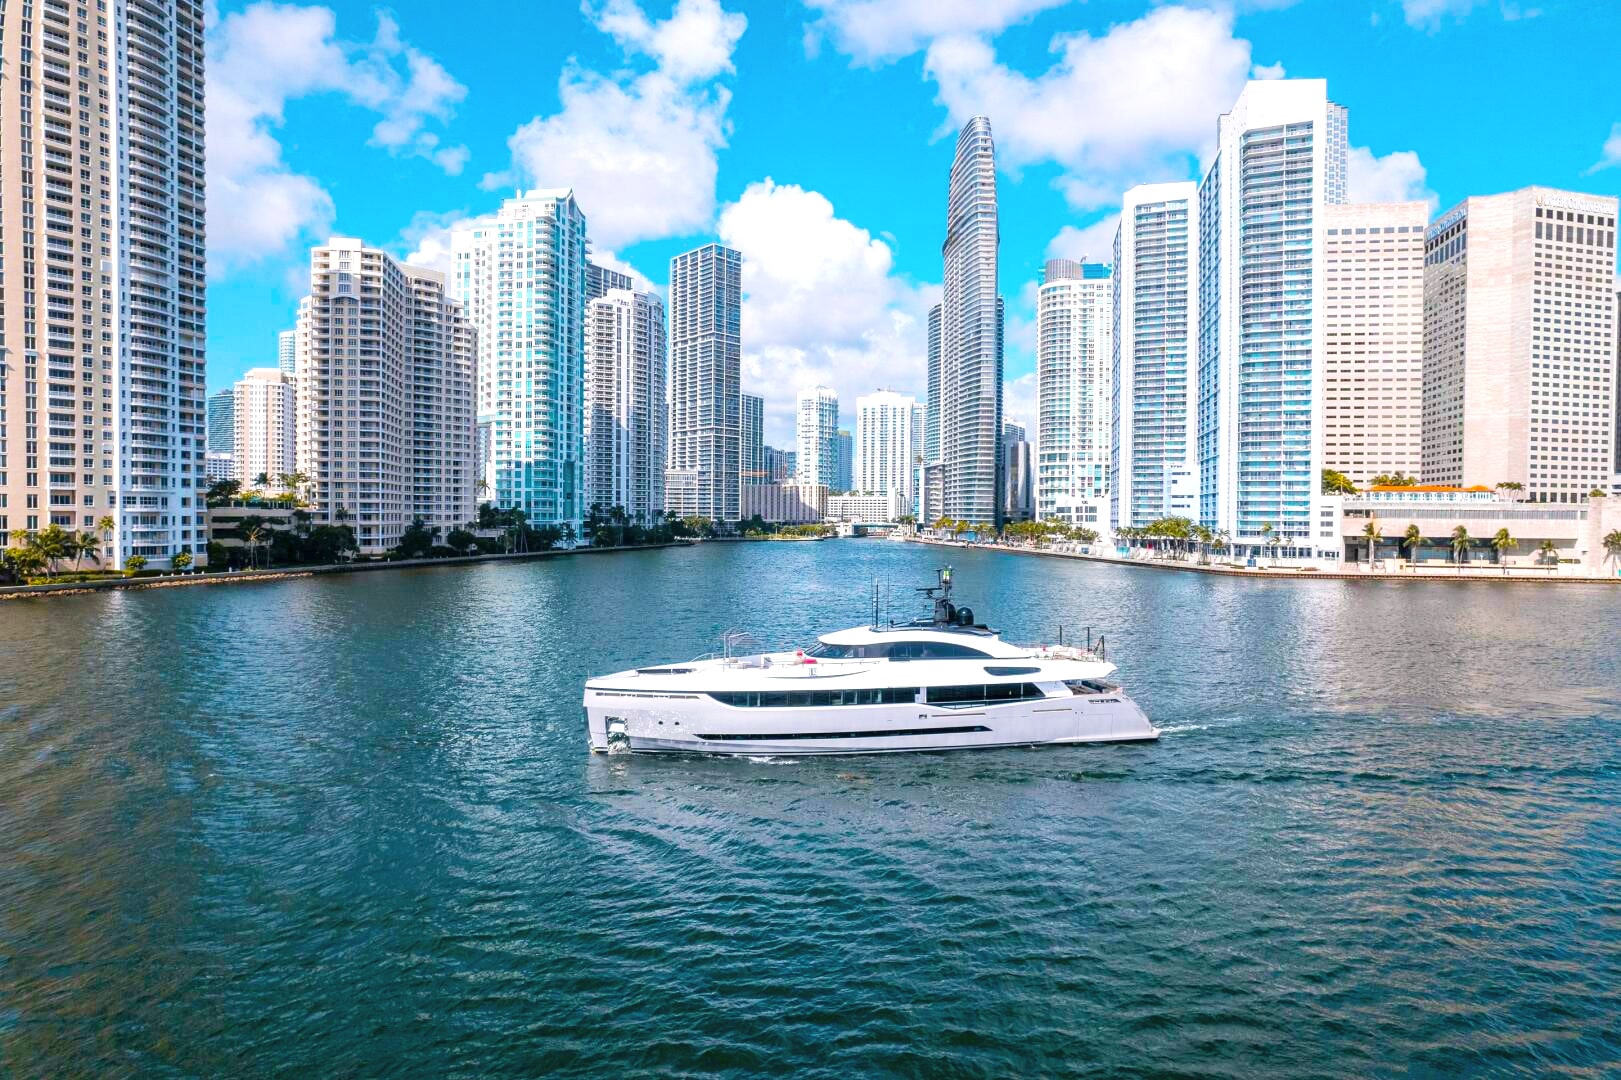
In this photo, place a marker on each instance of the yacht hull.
(696, 724)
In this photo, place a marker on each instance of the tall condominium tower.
(818, 436)
(706, 305)
(522, 279)
(1280, 160)
(222, 422)
(625, 439)
(971, 335)
(1153, 470)
(752, 460)
(844, 462)
(287, 351)
(101, 303)
(1373, 356)
(1018, 463)
(385, 393)
(599, 279)
(264, 426)
(1519, 343)
(884, 450)
(1074, 334)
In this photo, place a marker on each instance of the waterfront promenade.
(285, 573)
(1395, 571)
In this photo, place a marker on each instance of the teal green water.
(348, 826)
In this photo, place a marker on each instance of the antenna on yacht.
(875, 603)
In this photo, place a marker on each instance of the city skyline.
(845, 207)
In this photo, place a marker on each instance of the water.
(348, 825)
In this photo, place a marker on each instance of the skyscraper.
(885, 452)
(753, 454)
(971, 335)
(287, 351)
(625, 412)
(384, 402)
(1280, 159)
(222, 422)
(599, 279)
(1153, 429)
(264, 428)
(1519, 343)
(1373, 302)
(844, 467)
(522, 280)
(706, 306)
(1018, 487)
(818, 436)
(101, 306)
(1074, 350)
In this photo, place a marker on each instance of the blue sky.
(815, 137)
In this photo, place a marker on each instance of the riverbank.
(287, 573)
(1446, 574)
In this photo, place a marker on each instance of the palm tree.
(1414, 539)
(87, 543)
(1460, 545)
(106, 526)
(253, 535)
(1503, 542)
(53, 543)
(1612, 544)
(1373, 533)
(1549, 552)
(1266, 532)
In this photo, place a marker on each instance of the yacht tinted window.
(924, 650)
(772, 699)
(983, 694)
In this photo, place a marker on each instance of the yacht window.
(822, 650)
(925, 650)
(1090, 686)
(957, 697)
(1012, 670)
(802, 699)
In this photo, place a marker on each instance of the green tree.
(1414, 539)
(1597, 493)
(1504, 543)
(1337, 483)
(134, 565)
(1612, 544)
(86, 543)
(1460, 545)
(253, 533)
(461, 539)
(1266, 535)
(181, 560)
(1373, 534)
(1549, 552)
(1510, 485)
(415, 541)
(222, 492)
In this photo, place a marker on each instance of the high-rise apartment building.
(1018, 463)
(1280, 160)
(970, 364)
(263, 426)
(625, 438)
(752, 461)
(706, 311)
(885, 453)
(1074, 352)
(1520, 343)
(844, 467)
(101, 303)
(817, 429)
(599, 279)
(522, 280)
(1153, 430)
(222, 422)
(287, 352)
(1373, 353)
(384, 396)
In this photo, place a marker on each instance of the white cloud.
(877, 30)
(1138, 103)
(1397, 177)
(1019, 403)
(638, 150)
(1610, 156)
(821, 304)
(1431, 14)
(1262, 72)
(268, 54)
(1092, 243)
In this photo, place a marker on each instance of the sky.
(815, 136)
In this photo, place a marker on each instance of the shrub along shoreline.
(17, 592)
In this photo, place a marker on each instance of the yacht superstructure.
(941, 683)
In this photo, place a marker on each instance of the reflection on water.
(327, 824)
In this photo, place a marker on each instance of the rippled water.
(349, 826)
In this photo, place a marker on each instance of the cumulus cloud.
(822, 304)
(1137, 104)
(1610, 155)
(1396, 177)
(268, 54)
(1089, 243)
(638, 149)
(1019, 401)
(872, 31)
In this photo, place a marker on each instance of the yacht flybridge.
(940, 683)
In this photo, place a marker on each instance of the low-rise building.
(225, 522)
(864, 508)
(785, 504)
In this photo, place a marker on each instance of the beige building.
(101, 302)
(865, 508)
(789, 503)
(1520, 340)
(263, 415)
(625, 405)
(385, 414)
(1373, 351)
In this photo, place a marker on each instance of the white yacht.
(941, 683)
